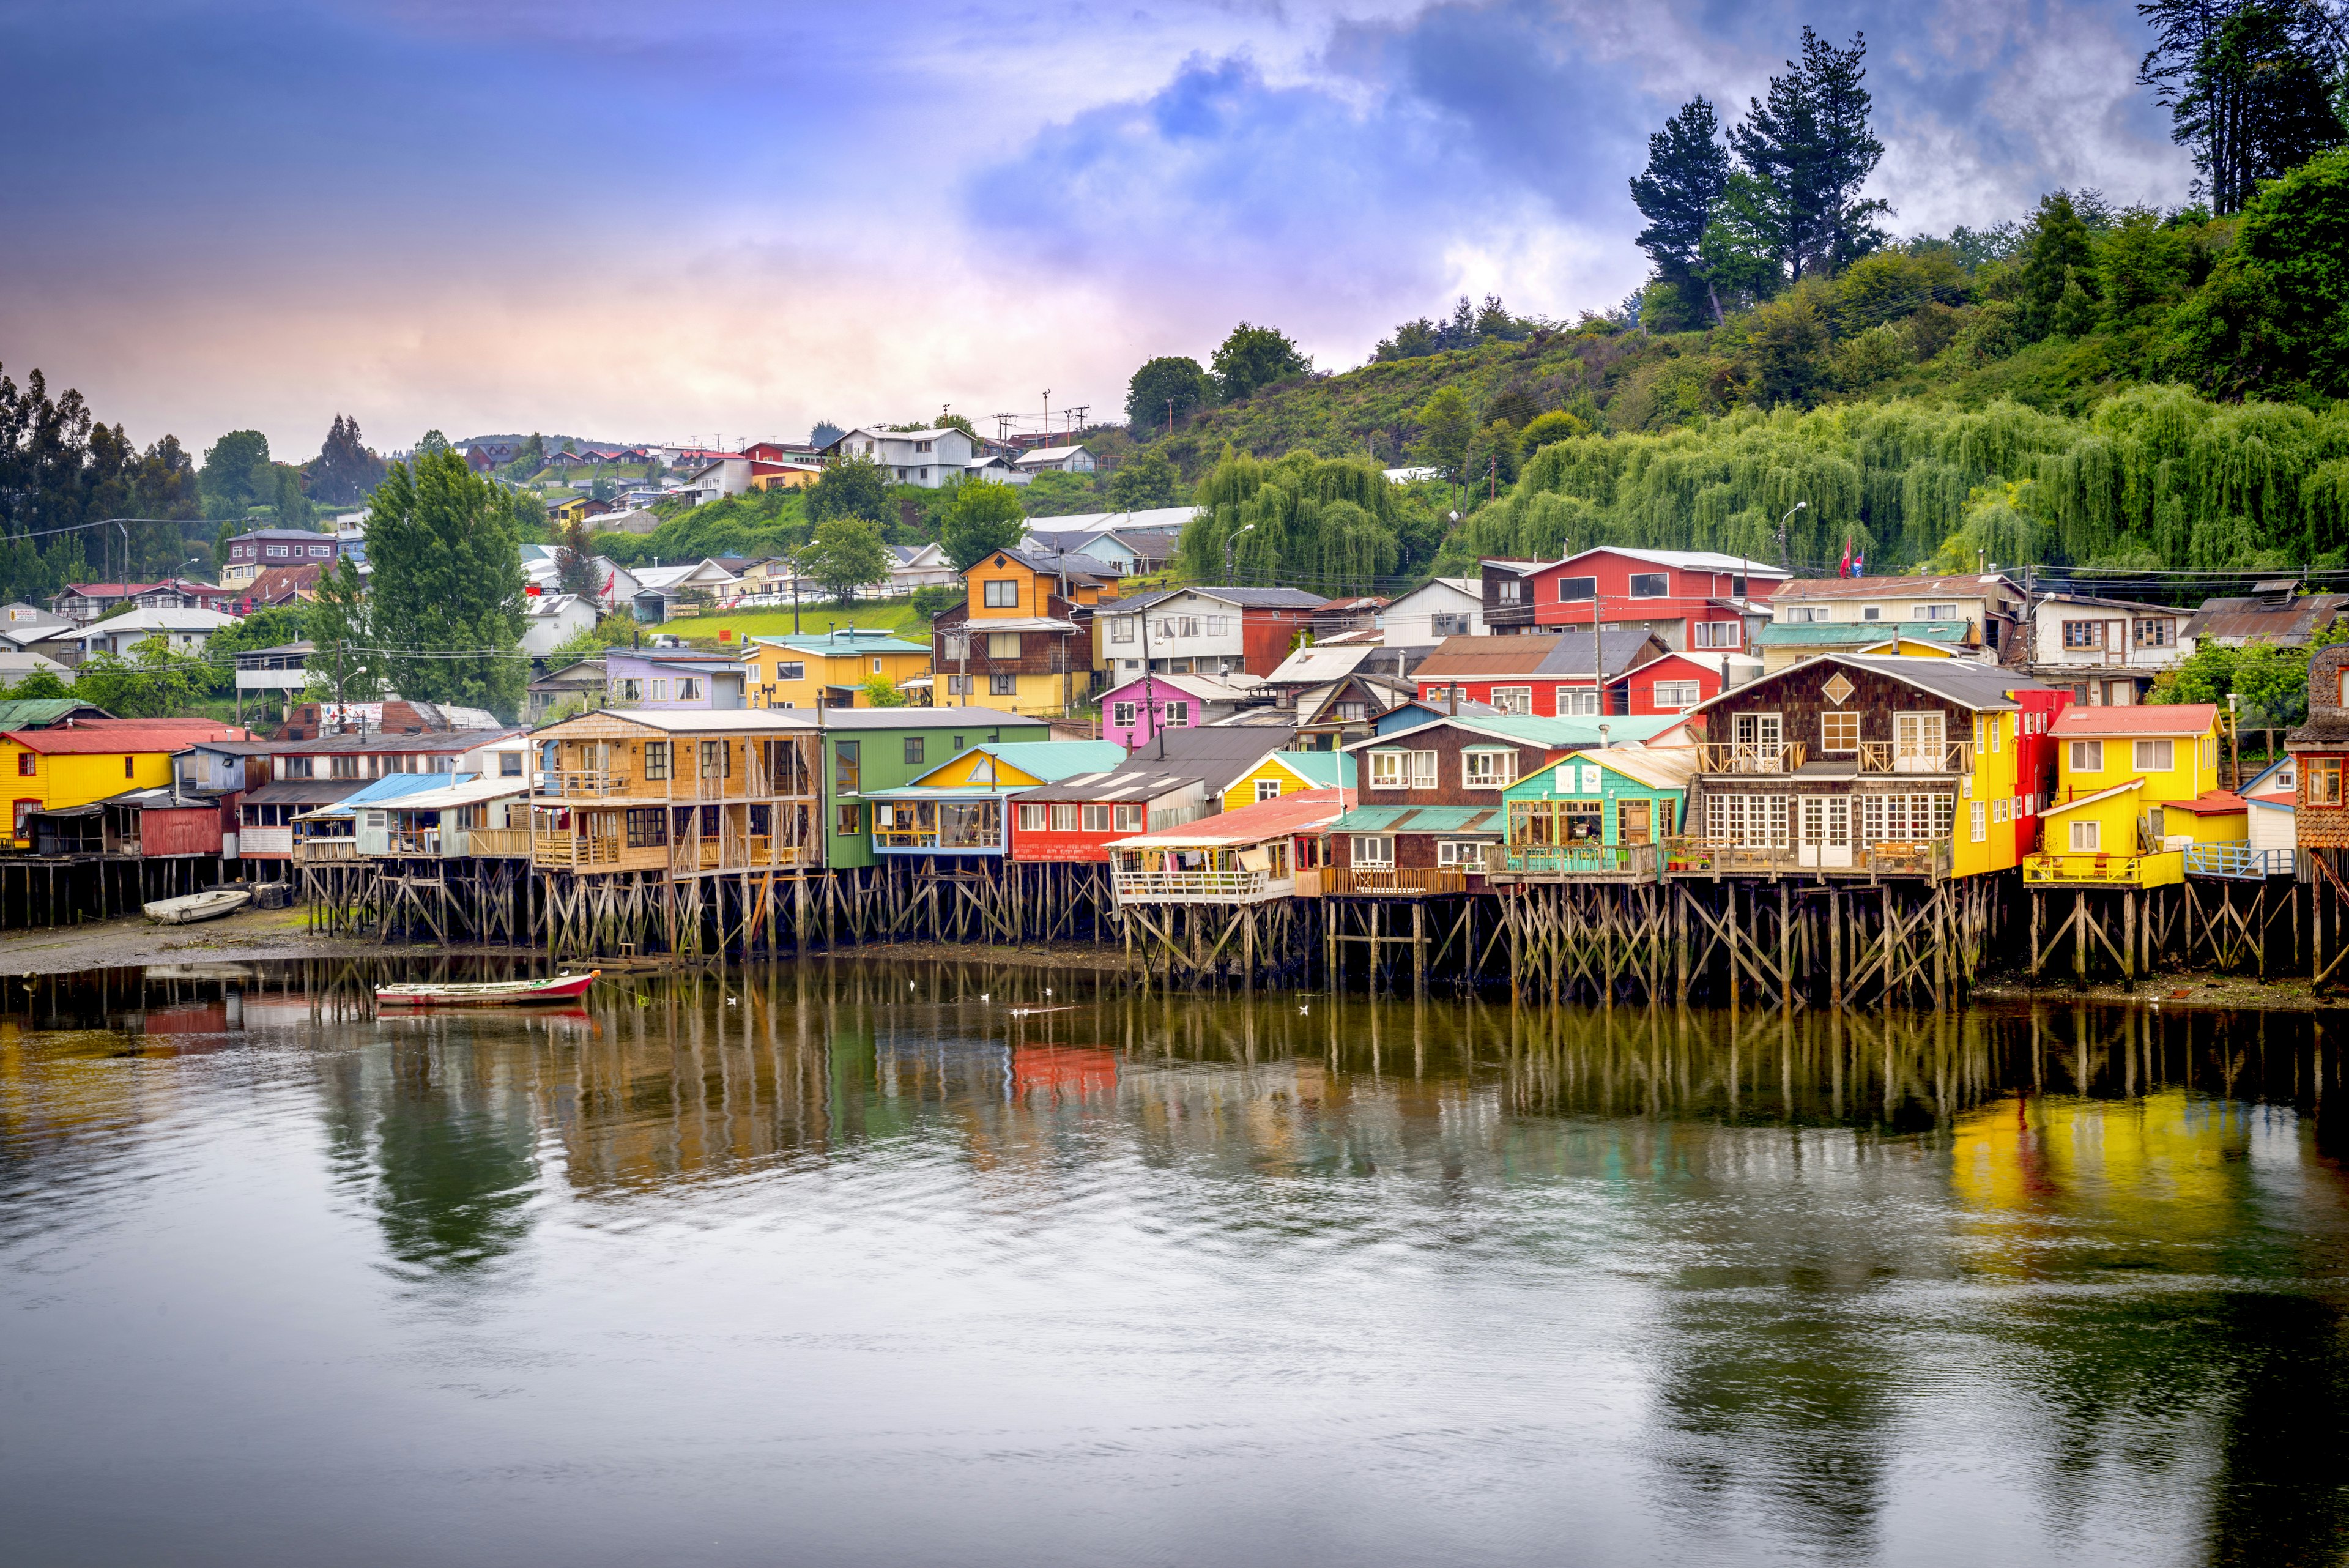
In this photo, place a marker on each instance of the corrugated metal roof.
(100, 735)
(2138, 719)
(390, 787)
(1973, 585)
(1566, 653)
(1305, 810)
(2289, 622)
(1859, 633)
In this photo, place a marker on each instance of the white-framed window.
(1752, 821)
(1651, 585)
(1000, 593)
(1573, 700)
(1871, 612)
(1178, 715)
(1997, 730)
(793, 669)
(2088, 756)
(1838, 732)
(1672, 696)
(275, 551)
(1215, 625)
(1122, 629)
(660, 690)
(1978, 821)
(2153, 756)
(688, 689)
(1373, 850)
(629, 691)
(1937, 612)
(1718, 633)
(957, 685)
(1906, 818)
(1998, 812)
(1123, 715)
(1488, 769)
(1190, 626)
(1466, 853)
(1798, 615)
(1403, 770)
(1514, 699)
(1267, 789)
(2087, 837)
(1032, 818)
(1066, 815)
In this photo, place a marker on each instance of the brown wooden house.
(2321, 749)
(678, 791)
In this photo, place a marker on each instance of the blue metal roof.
(391, 786)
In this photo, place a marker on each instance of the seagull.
(1302, 1011)
(733, 1002)
(982, 996)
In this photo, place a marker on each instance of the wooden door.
(1631, 822)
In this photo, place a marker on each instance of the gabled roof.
(1312, 666)
(1049, 566)
(1206, 688)
(99, 736)
(1049, 761)
(2090, 601)
(847, 642)
(160, 618)
(1981, 686)
(1218, 755)
(1476, 819)
(1300, 810)
(41, 712)
(1135, 781)
(1564, 654)
(2079, 723)
(1245, 599)
(2129, 787)
(1658, 767)
(1861, 633)
(1533, 729)
(1316, 770)
(376, 742)
(1684, 560)
(2289, 621)
(391, 786)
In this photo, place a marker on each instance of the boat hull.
(490, 994)
(190, 908)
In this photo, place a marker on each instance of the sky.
(723, 221)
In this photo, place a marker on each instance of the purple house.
(673, 678)
(1135, 711)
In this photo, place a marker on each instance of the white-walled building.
(550, 620)
(2106, 650)
(931, 458)
(1448, 606)
(182, 631)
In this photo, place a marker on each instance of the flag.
(1860, 563)
(1845, 570)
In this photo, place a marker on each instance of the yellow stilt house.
(2138, 801)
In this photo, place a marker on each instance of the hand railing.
(1584, 859)
(2237, 860)
(1338, 881)
(498, 842)
(1192, 887)
(1750, 756)
(1937, 757)
(581, 784)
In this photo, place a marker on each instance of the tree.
(432, 441)
(40, 685)
(823, 435)
(530, 459)
(849, 487)
(846, 554)
(237, 474)
(1145, 480)
(1447, 425)
(2055, 254)
(1742, 254)
(1810, 141)
(880, 691)
(2248, 85)
(1491, 460)
(574, 562)
(1164, 393)
(2272, 316)
(1789, 344)
(154, 682)
(344, 469)
(1256, 357)
(447, 591)
(986, 517)
(1688, 171)
(289, 507)
(270, 627)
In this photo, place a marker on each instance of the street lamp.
(1783, 560)
(1228, 550)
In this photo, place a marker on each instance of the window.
(2088, 756)
(1033, 818)
(1448, 625)
(1066, 815)
(1101, 818)
(1122, 629)
(657, 758)
(2081, 634)
(1373, 851)
(1998, 809)
(1000, 593)
(25, 764)
(1350, 712)
(125, 767)
(795, 670)
(1489, 770)
(848, 822)
(1514, 699)
(1124, 714)
(1267, 789)
(688, 689)
(1571, 590)
(346, 767)
(630, 691)
(1749, 820)
(717, 760)
(1871, 612)
(1466, 853)
(1403, 770)
(275, 551)
(2087, 837)
(1672, 696)
(647, 826)
(1718, 633)
(317, 552)
(1906, 818)
(660, 690)
(1190, 626)
(2323, 781)
(2157, 634)
(1838, 732)
(913, 750)
(1978, 821)
(1937, 612)
(1003, 686)
(957, 685)
(1506, 591)
(509, 765)
(1126, 818)
(2153, 756)
(1651, 585)
(1215, 625)
(1003, 644)
(300, 767)
(1178, 715)
(1802, 614)
(1574, 699)
(846, 766)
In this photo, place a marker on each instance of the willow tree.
(1329, 525)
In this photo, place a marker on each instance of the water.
(841, 1265)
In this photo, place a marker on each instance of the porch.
(1380, 882)
(1701, 857)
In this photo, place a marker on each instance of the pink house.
(1137, 710)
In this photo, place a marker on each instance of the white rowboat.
(190, 908)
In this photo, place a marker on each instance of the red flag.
(1845, 570)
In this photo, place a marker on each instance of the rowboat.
(190, 908)
(487, 993)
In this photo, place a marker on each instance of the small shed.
(1599, 810)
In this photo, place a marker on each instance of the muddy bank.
(249, 934)
(2233, 992)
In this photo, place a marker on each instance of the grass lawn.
(894, 615)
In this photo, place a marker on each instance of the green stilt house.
(1603, 813)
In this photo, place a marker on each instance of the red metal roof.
(88, 735)
(2211, 803)
(2076, 722)
(1298, 812)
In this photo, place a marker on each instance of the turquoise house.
(1598, 812)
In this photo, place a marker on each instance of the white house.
(931, 458)
(182, 631)
(549, 620)
(1054, 460)
(705, 574)
(2106, 650)
(914, 566)
(995, 471)
(1448, 606)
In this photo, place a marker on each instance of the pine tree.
(1688, 170)
(1809, 141)
(2248, 85)
(344, 469)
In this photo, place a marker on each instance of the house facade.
(2137, 786)
(1549, 676)
(958, 807)
(1694, 599)
(250, 554)
(2106, 650)
(1219, 631)
(653, 678)
(2320, 752)
(866, 751)
(1448, 606)
(1678, 681)
(1981, 616)
(550, 620)
(830, 668)
(1075, 820)
(1598, 813)
(89, 759)
(678, 791)
(1016, 642)
(1864, 765)
(1280, 773)
(1136, 710)
(931, 458)
(1247, 856)
(182, 631)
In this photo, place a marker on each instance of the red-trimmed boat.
(488, 993)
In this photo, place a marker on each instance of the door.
(1825, 842)
(1758, 741)
(1918, 742)
(1631, 822)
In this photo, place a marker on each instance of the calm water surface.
(920, 1265)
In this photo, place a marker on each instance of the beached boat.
(190, 908)
(487, 993)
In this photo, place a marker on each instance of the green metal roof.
(1579, 730)
(1368, 819)
(39, 713)
(1418, 819)
(1052, 761)
(843, 643)
(1321, 770)
(1858, 633)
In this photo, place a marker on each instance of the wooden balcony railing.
(760, 854)
(570, 849)
(499, 842)
(1346, 881)
(312, 851)
(582, 784)
(1586, 859)
(1750, 756)
(1192, 887)
(1720, 857)
(2162, 869)
(1891, 757)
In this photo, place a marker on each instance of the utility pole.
(1170, 416)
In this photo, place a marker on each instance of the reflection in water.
(1667, 1284)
